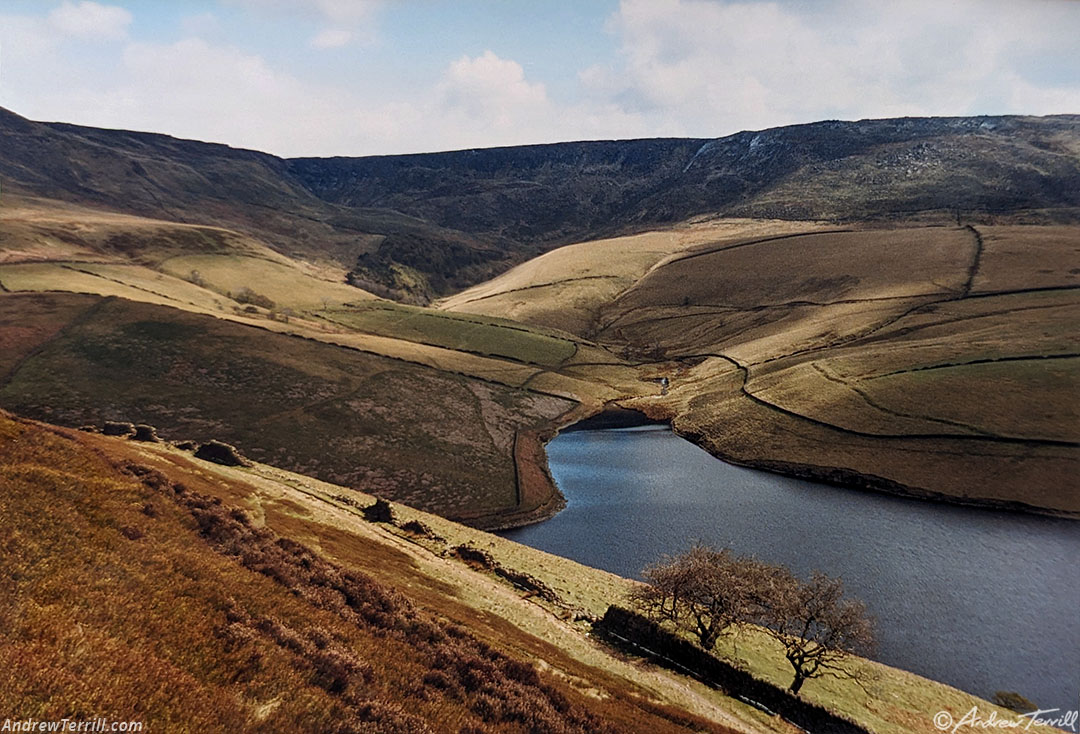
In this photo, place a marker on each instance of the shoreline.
(533, 475)
(535, 481)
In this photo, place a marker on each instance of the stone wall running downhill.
(627, 629)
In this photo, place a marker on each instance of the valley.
(417, 328)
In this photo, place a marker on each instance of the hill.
(895, 312)
(824, 170)
(272, 634)
(796, 347)
(413, 226)
(164, 178)
(252, 599)
(337, 412)
(930, 361)
(209, 333)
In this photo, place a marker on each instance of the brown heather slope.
(141, 583)
(934, 361)
(138, 595)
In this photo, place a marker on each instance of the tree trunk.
(797, 683)
(708, 637)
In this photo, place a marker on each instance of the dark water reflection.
(984, 601)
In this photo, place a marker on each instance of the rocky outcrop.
(144, 432)
(221, 453)
(117, 428)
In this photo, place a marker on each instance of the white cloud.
(194, 88)
(332, 38)
(197, 89)
(487, 100)
(345, 11)
(200, 24)
(710, 67)
(683, 67)
(349, 20)
(340, 11)
(90, 20)
(492, 90)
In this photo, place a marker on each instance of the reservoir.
(979, 599)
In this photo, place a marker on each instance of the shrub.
(246, 295)
(1014, 701)
(379, 511)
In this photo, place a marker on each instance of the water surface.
(979, 599)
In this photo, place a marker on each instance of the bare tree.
(704, 591)
(816, 625)
(707, 592)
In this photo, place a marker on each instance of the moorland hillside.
(895, 310)
(934, 361)
(252, 599)
(419, 225)
(906, 329)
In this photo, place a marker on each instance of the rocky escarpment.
(851, 170)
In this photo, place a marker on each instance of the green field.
(476, 334)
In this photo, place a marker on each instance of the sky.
(364, 77)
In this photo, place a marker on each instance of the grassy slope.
(935, 360)
(204, 184)
(850, 341)
(124, 599)
(41, 229)
(487, 336)
(845, 345)
(280, 282)
(95, 245)
(99, 502)
(336, 413)
(566, 288)
(94, 375)
(53, 246)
